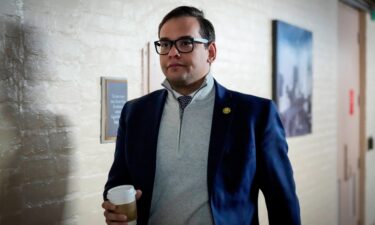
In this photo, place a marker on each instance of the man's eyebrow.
(185, 37)
(164, 39)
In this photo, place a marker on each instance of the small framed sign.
(114, 96)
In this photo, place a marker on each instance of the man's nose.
(173, 51)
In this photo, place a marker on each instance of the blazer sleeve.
(275, 173)
(119, 173)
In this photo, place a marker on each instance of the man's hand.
(112, 218)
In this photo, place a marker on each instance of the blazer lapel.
(145, 173)
(154, 124)
(155, 110)
(222, 117)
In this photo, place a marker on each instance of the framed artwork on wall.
(292, 77)
(114, 96)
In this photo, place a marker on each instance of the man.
(197, 152)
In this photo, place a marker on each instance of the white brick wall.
(53, 54)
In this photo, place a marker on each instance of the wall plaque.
(114, 96)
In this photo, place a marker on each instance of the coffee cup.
(124, 198)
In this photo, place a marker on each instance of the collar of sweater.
(199, 94)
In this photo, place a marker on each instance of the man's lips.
(174, 65)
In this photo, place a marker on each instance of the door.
(348, 114)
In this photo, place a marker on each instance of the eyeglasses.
(183, 45)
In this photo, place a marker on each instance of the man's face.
(184, 70)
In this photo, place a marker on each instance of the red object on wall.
(351, 102)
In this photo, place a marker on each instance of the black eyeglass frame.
(191, 39)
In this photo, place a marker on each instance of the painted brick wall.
(10, 138)
(53, 53)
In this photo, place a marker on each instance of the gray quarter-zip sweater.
(180, 195)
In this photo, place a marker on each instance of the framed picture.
(292, 77)
(114, 96)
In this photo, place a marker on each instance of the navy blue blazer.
(247, 153)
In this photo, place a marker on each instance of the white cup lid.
(123, 194)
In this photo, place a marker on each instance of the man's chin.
(178, 82)
(176, 77)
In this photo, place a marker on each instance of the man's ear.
(211, 52)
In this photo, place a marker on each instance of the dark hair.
(206, 28)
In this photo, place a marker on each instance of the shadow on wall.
(35, 146)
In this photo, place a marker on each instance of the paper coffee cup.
(124, 198)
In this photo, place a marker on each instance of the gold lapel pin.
(226, 110)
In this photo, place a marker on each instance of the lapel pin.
(226, 110)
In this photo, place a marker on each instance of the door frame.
(362, 116)
(362, 10)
